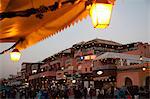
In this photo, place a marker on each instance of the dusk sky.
(130, 23)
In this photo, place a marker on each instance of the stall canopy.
(32, 29)
(121, 56)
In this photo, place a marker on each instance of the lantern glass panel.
(15, 56)
(101, 14)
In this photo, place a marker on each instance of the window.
(86, 69)
(50, 67)
(90, 68)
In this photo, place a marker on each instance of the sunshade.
(121, 56)
(33, 29)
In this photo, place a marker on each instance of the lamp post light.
(15, 55)
(100, 13)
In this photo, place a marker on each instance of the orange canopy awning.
(33, 29)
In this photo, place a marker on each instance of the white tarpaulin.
(121, 56)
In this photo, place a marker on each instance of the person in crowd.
(13, 93)
(39, 95)
(122, 92)
(26, 93)
(66, 92)
(3, 94)
(91, 92)
(21, 93)
(112, 92)
(100, 93)
(45, 94)
(134, 90)
(32, 93)
(141, 92)
(116, 93)
(88, 91)
(77, 93)
(127, 94)
(53, 92)
(85, 92)
(8, 92)
(61, 92)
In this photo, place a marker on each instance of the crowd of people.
(75, 92)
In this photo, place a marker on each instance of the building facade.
(82, 61)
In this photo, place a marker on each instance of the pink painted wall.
(138, 77)
(142, 49)
(134, 76)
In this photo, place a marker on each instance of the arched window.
(128, 81)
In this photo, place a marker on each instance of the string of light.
(12, 47)
(38, 12)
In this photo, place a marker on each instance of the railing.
(69, 62)
(118, 67)
(136, 66)
(55, 62)
(104, 67)
(43, 74)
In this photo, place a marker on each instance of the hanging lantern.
(100, 13)
(15, 55)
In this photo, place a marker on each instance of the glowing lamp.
(141, 58)
(100, 13)
(144, 68)
(81, 58)
(73, 81)
(93, 56)
(15, 55)
(62, 68)
(87, 57)
(99, 72)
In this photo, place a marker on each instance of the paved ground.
(70, 97)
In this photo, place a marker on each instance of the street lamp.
(15, 55)
(100, 13)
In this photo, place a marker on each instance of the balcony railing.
(43, 74)
(136, 66)
(118, 67)
(105, 67)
